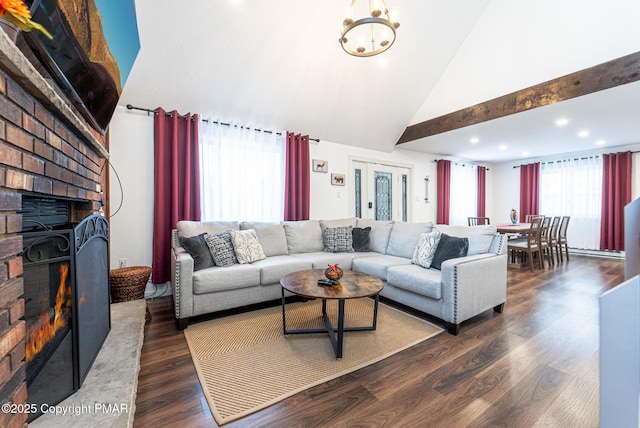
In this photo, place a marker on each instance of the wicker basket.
(128, 283)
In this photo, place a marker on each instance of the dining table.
(512, 228)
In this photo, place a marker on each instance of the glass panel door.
(381, 192)
(383, 195)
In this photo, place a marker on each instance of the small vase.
(333, 272)
(514, 216)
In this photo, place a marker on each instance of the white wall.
(328, 201)
(131, 150)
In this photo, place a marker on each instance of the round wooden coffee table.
(352, 285)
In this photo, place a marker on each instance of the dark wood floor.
(534, 365)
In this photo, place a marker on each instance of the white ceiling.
(278, 65)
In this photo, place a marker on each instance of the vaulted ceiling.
(278, 65)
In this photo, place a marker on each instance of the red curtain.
(444, 191)
(176, 183)
(616, 193)
(529, 190)
(297, 187)
(482, 186)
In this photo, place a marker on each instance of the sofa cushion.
(341, 222)
(426, 248)
(404, 237)
(378, 265)
(320, 259)
(449, 247)
(338, 239)
(480, 237)
(221, 248)
(225, 278)
(303, 236)
(271, 236)
(272, 269)
(197, 247)
(191, 228)
(426, 282)
(247, 246)
(360, 237)
(379, 235)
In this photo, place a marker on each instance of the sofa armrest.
(182, 282)
(473, 284)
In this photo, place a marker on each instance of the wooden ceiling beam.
(607, 75)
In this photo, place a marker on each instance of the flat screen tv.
(94, 47)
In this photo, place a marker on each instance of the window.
(464, 193)
(574, 188)
(242, 172)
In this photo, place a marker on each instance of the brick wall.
(39, 155)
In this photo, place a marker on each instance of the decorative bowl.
(333, 272)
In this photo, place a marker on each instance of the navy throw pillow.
(197, 247)
(361, 238)
(449, 247)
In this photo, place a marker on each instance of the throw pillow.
(449, 247)
(247, 246)
(361, 238)
(426, 248)
(197, 247)
(338, 239)
(221, 248)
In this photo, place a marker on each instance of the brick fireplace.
(48, 151)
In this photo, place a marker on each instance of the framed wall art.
(320, 165)
(337, 179)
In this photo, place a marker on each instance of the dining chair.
(475, 221)
(530, 246)
(545, 240)
(562, 237)
(553, 238)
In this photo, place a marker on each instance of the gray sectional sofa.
(462, 288)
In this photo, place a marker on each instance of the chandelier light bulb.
(347, 20)
(375, 10)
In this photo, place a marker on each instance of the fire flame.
(47, 328)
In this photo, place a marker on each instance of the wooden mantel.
(607, 75)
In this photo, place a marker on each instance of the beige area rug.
(245, 364)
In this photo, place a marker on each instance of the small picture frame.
(320, 165)
(337, 179)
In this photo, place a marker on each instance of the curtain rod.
(462, 163)
(149, 111)
(565, 160)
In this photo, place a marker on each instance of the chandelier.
(371, 34)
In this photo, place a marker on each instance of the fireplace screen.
(66, 293)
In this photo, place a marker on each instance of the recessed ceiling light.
(382, 62)
(562, 122)
(601, 142)
(474, 140)
(525, 153)
(503, 147)
(583, 134)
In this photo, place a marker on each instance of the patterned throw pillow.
(426, 248)
(247, 246)
(197, 248)
(338, 239)
(221, 248)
